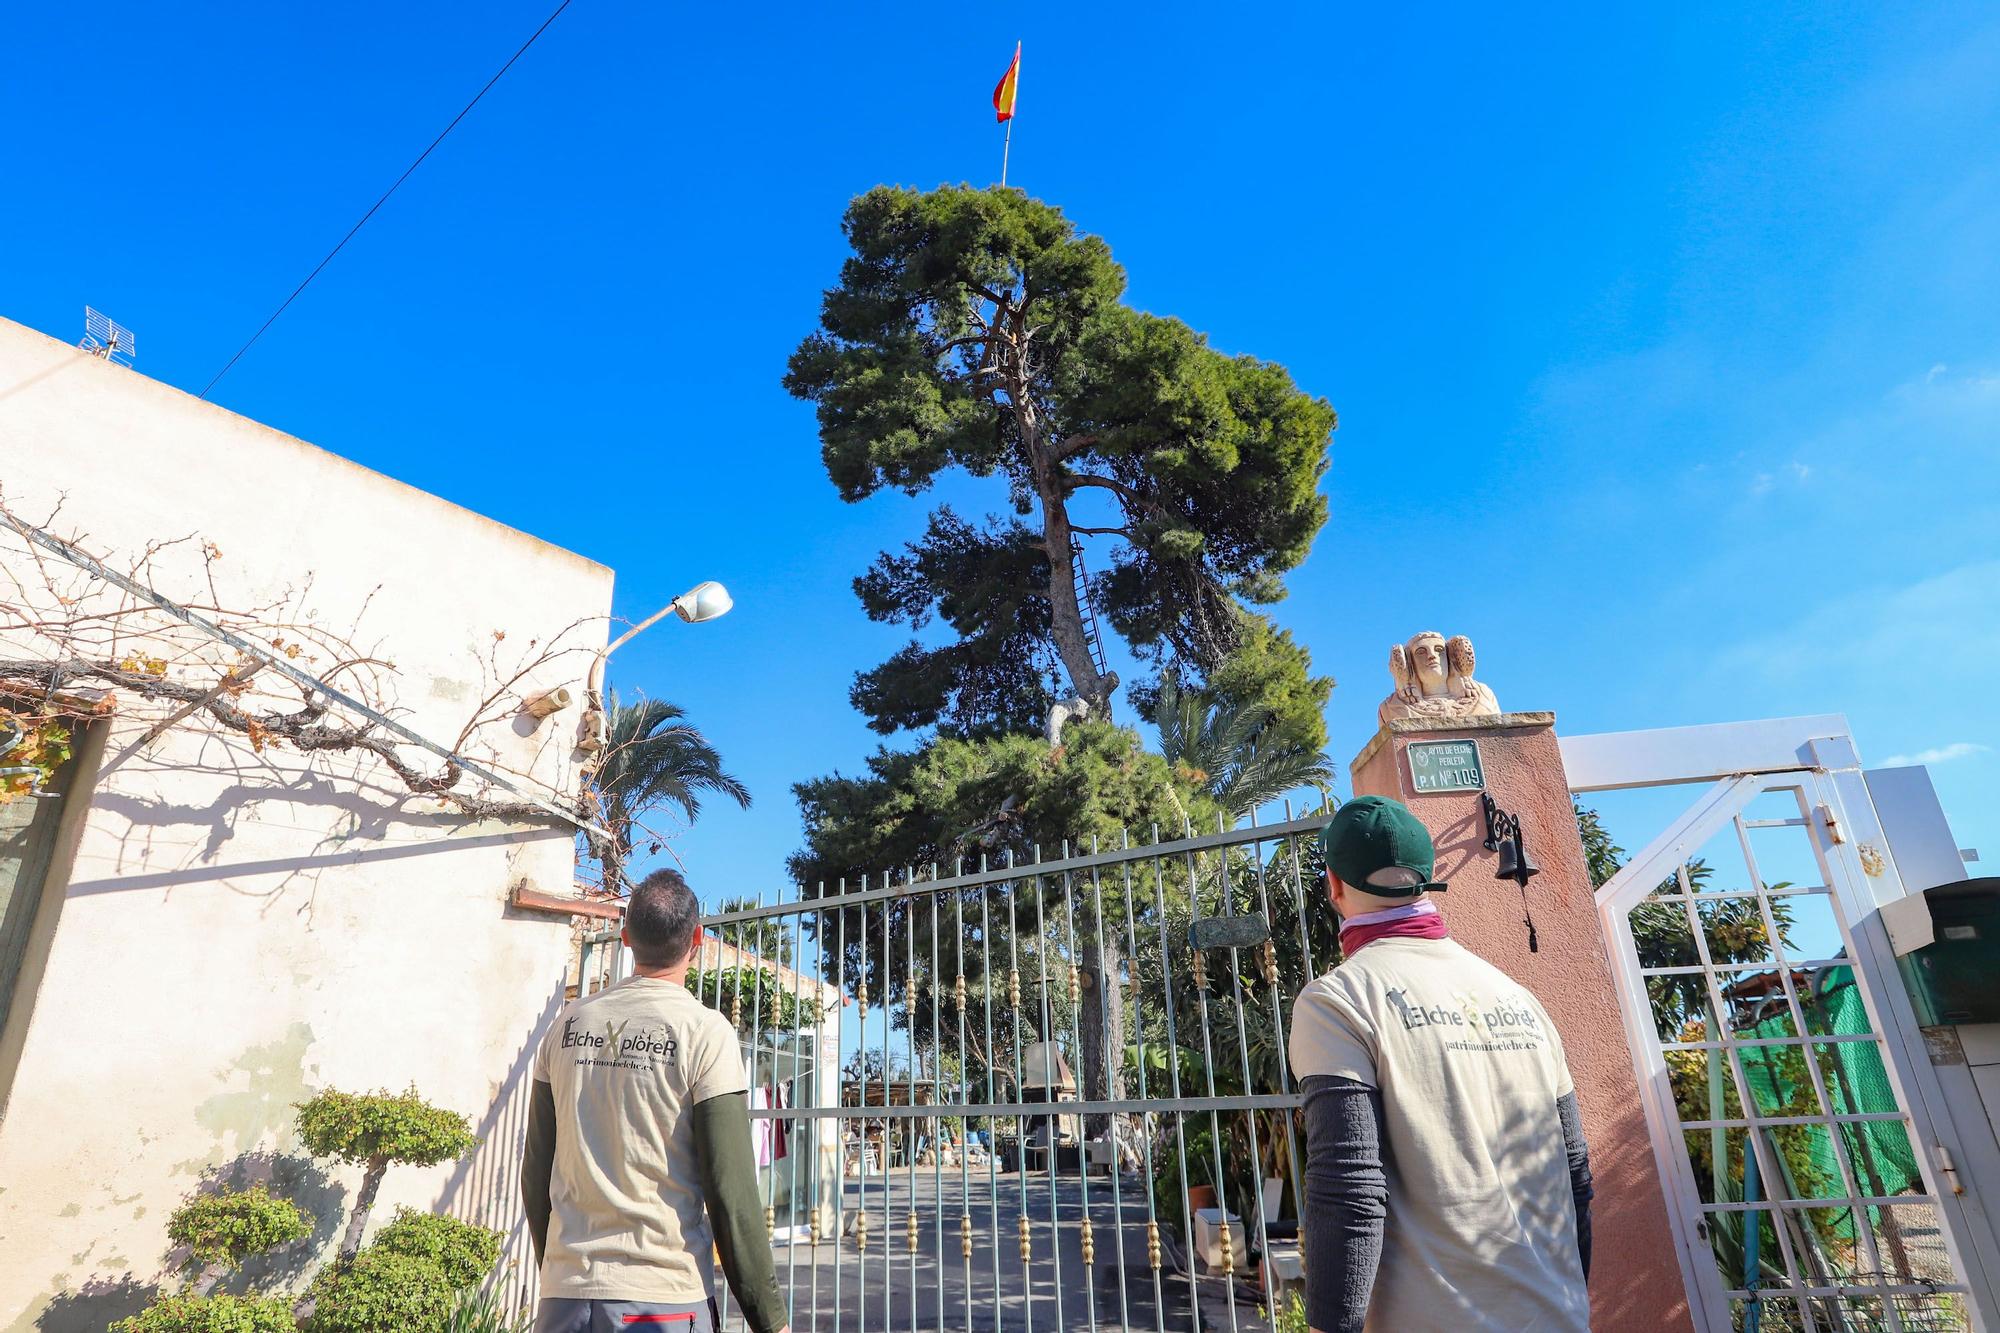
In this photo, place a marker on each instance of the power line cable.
(408, 171)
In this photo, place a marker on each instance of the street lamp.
(704, 601)
(707, 600)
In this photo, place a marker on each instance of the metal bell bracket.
(1503, 835)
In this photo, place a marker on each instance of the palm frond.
(1215, 745)
(653, 758)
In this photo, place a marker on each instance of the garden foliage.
(382, 1126)
(380, 1290)
(223, 1229)
(463, 1253)
(416, 1277)
(188, 1313)
(376, 1129)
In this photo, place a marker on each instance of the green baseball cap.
(1372, 835)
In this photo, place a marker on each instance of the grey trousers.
(559, 1315)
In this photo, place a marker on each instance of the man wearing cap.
(1447, 1182)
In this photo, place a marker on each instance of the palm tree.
(652, 758)
(1214, 745)
(765, 937)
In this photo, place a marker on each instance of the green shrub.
(481, 1312)
(211, 1314)
(382, 1127)
(375, 1129)
(221, 1230)
(1292, 1316)
(464, 1253)
(381, 1291)
(753, 998)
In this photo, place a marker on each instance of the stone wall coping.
(1413, 726)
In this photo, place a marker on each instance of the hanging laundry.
(781, 1130)
(761, 1130)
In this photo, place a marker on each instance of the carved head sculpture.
(1433, 679)
(1428, 663)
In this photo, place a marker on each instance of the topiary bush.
(374, 1129)
(223, 1229)
(379, 1291)
(464, 1253)
(189, 1313)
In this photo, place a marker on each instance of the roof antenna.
(106, 339)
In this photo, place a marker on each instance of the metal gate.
(1045, 1095)
(1786, 1088)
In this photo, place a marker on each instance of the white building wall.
(239, 930)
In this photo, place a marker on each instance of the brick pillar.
(1636, 1281)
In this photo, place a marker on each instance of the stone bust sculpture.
(1434, 681)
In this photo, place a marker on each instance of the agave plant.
(482, 1312)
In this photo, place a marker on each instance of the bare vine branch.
(69, 639)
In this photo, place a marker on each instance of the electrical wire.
(408, 171)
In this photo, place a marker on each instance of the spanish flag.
(1009, 85)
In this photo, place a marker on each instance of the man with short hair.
(1447, 1181)
(638, 1163)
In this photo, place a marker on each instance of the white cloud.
(1762, 483)
(1942, 754)
(1885, 640)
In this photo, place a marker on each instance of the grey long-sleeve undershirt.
(1347, 1197)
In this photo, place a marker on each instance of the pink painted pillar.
(1635, 1280)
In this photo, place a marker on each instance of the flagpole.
(1012, 83)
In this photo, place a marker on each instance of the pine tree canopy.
(979, 330)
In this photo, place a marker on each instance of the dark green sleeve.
(729, 1184)
(538, 1156)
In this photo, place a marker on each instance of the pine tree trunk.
(1100, 1029)
(1065, 611)
(357, 1221)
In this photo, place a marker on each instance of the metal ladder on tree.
(1080, 580)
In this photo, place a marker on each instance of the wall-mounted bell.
(1515, 863)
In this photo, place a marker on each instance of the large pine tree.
(977, 329)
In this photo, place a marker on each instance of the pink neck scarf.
(1418, 920)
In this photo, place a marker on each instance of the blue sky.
(1663, 344)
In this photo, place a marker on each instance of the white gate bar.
(1696, 825)
(1671, 756)
(1699, 1278)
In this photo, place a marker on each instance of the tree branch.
(1074, 480)
(966, 341)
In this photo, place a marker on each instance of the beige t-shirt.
(1481, 1230)
(626, 1219)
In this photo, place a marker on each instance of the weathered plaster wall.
(1635, 1280)
(242, 929)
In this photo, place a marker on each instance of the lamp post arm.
(597, 664)
(704, 601)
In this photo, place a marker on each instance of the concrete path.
(888, 1287)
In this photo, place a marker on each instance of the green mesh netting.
(1856, 1084)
